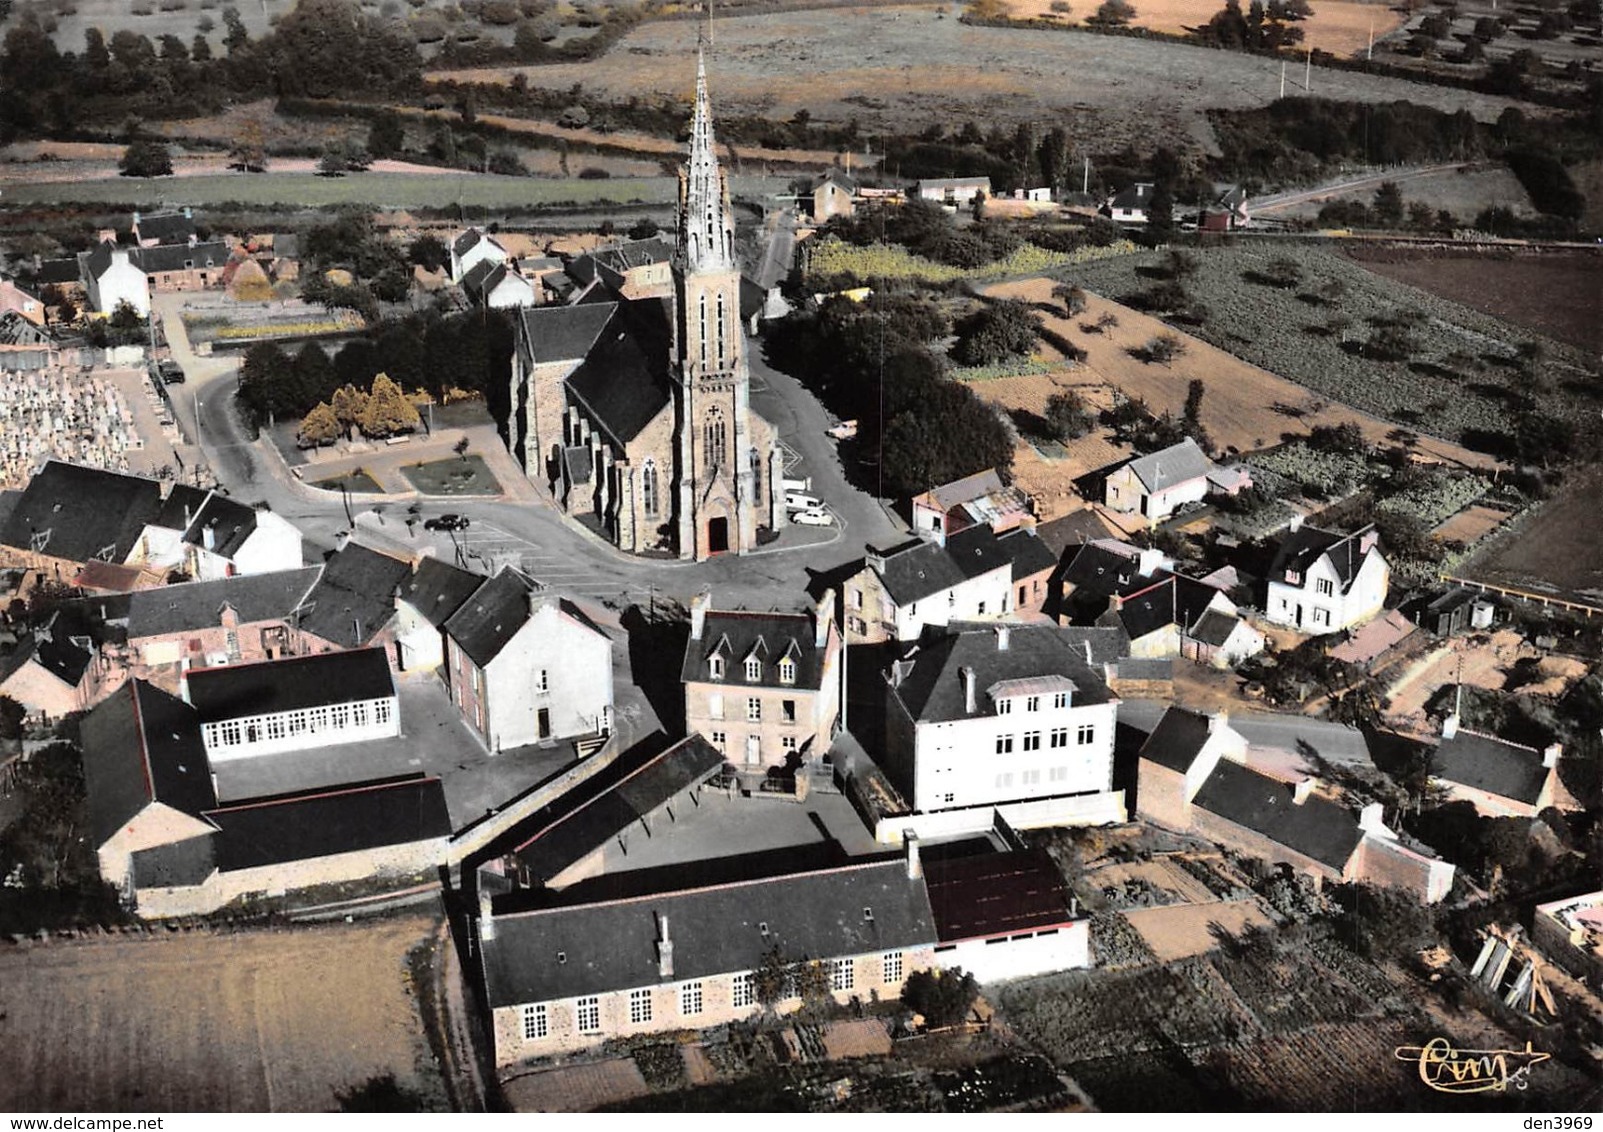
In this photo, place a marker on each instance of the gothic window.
(648, 489)
(701, 330)
(715, 438)
(720, 330)
(756, 474)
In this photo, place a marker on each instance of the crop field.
(278, 1021)
(1471, 524)
(1558, 294)
(1337, 26)
(1558, 551)
(901, 68)
(1460, 374)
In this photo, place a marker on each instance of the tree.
(1112, 13)
(349, 405)
(1163, 349)
(1068, 415)
(146, 159)
(333, 162)
(1072, 298)
(318, 427)
(249, 154)
(1053, 156)
(200, 49)
(942, 997)
(236, 37)
(386, 136)
(428, 251)
(995, 333)
(1389, 204)
(1160, 214)
(388, 411)
(1193, 411)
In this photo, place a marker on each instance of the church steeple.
(706, 233)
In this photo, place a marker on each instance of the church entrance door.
(717, 535)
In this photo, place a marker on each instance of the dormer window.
(787, 671)
(715, 667)
(754, 669)
(1033, 704)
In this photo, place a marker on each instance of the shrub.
(1068, 415)
(942, 997)
(1163, 349)
(1112, 13)
(996, 333)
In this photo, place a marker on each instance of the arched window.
(720, 330)
(756, 474)
(715, 438)
(648, 488)
(701, 329)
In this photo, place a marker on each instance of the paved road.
(1335, 743)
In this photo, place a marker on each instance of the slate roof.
(484, 623)
(564, 333)
(355, 598)
(1177, 739)
(190, 606)
(141, 745)
(1300, 549)
(623, 381)
(1028, 554)
(932, 691)
(1214, 628)
(481, 282)
(919, 569)
(564, 952)
(1318, 828)
(229, 522)
(1132, 197)
(59, 271)
(64, 660)
(1485, 762)
(468, 240)
(437, 589)
(993, 894)
(99, 258)
(1102, 569)
(85, 511)
(977, 486)
(580, 832)
(235, 691)
(846, 182)
(321, 824)
(16, 330)
(1172, 599)
(1175, 464)
(165, 227)
(180, 507)
(770, 636)
(180, 257)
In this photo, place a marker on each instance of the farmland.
(248, 1022)
(1557, 551)
(1337, 26)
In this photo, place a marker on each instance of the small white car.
(813, 517)
(801, 501)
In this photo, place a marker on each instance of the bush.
(1163, 349)
(942, 997)
(995, 333)
(1112, 13)
(146, 159)
(1068, 415)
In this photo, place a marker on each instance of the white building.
(499, 286)
(1323, 582)
(249, 710)
(427, 598)
(995, 716)
(1003, 916)
(1131, 204)
(898, 592)
(111, 277)
(472, 248)
(526, 666)
(1158, 484)
(954, 190)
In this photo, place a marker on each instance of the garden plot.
(1183, 930)
(1471, 524)
(1558, 552)
(1162, 881)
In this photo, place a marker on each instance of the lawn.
(357, 483)
(460, 475)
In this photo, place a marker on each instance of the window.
(1060, 737)
(587, 1015)
(690, 999)
(1085, 735)
(744, 991)
(982, 609)
(857, 599)
(1032, 740)
(715, 706)
(787, 742)
(787, 671)
(715, 667)
(1058, 774)
(1324, 587)
(359, 714)
(1321, 617)
(1003, 781)
(717, 739)
(1004, 744)
(276, 728)
(948, 799)
(542, 682)
(951, 598)
(639, 1007)
(842, 974)
(535, 1023)
(715, 438)
(1060, 699)
(648, 489)
(231, 733)
(754, 669)
(473, 680)
(1032, 703)
(891, 967)
(1032, 778)
(381, 712)
(787, 711)
(754, 710)
(1004, 707)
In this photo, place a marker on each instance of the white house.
(1158, 484)
(1003, 916)
(954, 190)
(111, 277)
(897, 592)
(1131, 204)
(226, 538)
(425, 601)
(991, 716)
(472, 248)
(1323, 582)
(525, 666)
(499, 287)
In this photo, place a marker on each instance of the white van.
(799, 501)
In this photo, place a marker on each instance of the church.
(631, 403)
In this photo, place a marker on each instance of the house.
(980, 498)
(954, 191)
(1097, 571)
(354, 603)
(1500, 778)
(15, 299)
(1227, 213)
(243, 619)
(472, 248)
(1180, 616)
(525, 666)
(1003, 916)
(897, 592)
(184, 267)
(1570, 932)
(113, 276)
(1193, 775)
(50, 673)
(764, 688)
(498, 286)
(1160, 483)
(1323, 581)
(171, 847)
(1003, 718)
(70, 514)
(1033, 566)
(252, 710)
(833, 194)
(174, 226)
(226, 537)
(424, 602)
(570, 977)
(639, 269)
(1373, 639)
(1131, 204)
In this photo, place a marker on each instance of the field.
(1464, 194)
(1558, 551)
(1459, 376)
(1559, 294)
(278, 1021)
(1337, 26)
(900, 68)
(1471, 525)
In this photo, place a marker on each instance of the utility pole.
(1369, 56)
(1308, 73)
(1085, 178)
(1282, 78)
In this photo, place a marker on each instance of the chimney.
(208, 537)
(967, 675)
(1218, 721)
(1367, 540)
(1450, 726)
(1551, 755)
(1372, 819)
(1003, 632)
(1150, 560)
(823, 616)
(486, 917)
(915, 863)
(664, 950)
(183, 682)
(1296, 524)
(875, 559)
(135, 222)
(189, 213)
(1301, 792)
(698, 613)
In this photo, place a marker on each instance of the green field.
(377, 190)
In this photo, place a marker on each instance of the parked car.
(447, 523)
(813, 517)
(846, 430)
(171, 372)
(801, 501)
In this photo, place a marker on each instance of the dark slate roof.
(298, 827)
(1485, 762)
(1318, 828)
(97, 259)
(180, 507)
(845, 181)
(564, 952)
(1136, 196)
(59, 271)
(623, 382)
(166, 227)
(772, 636)
(237, 690)
(189, 606)
(1177, 739)
(63, 659)
(1214, 628)
(1028, 554)
(753, 296)
(1170, 600)
(18, 331)
(355, 598)
(1102, 571)
(286, 245)
(625, 257)
(468, 240)
(142, 745)
(580, 832)
(177, 863)
(1107, 644)
(181, 257)
(85, 510)
(563, 333)
(1144, 668)
(437, 589)
(993, 894)
(229, 522)
(1173, 465)
(579, 463)
(932, 691)
(917, 570)
(491, 617)
(1300, 549)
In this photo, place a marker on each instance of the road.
(1336, 744)
(1367, 181)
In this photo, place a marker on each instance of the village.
(865, 645)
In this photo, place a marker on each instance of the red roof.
(994, 894)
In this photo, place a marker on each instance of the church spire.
(706, 240)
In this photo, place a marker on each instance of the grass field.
(357, 483)
(1558, 551)
(1463, 193)
(250, 1022)
(1337, 26)
(456, 476)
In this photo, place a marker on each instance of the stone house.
(425, 601)
(1500, 778)
(69, 515)
(980, 498)
(1323, 581)
(354, 604)
(1159, 483)
(897, 592)
(833, 194)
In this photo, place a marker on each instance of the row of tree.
(380, 411)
